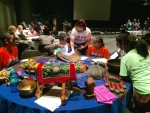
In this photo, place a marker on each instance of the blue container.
(14, 81)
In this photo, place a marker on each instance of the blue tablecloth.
(76, 103)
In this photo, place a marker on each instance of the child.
(62, 46)
(135, 65)
(119, 45)
(98, 49)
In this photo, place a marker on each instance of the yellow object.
(31, 60)
(28, 87)
(0, 73)
(63, 86)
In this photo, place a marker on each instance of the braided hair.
(5, 37)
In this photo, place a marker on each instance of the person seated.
(138, 24)
(54, 32)
(129, 25)
(67, 30)
(12, 28)
(23, 25)
(46, 30)
(8, 51)
(122, 28)
(98, 48)
(20, 30)
(53, 48)
(135, 67)
(32, 32)
(120, 50)
(134, 25)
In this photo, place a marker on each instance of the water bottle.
(14, 81)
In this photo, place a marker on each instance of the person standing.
(36, 26)
(80, 37)
(135, 66)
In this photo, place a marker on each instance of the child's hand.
(61, 46)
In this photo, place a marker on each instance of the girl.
(9, 51)
(98, 49)
(135, 64)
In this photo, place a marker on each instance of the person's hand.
(61, 46)
(81, 47)
(72, 53)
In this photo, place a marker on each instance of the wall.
(24, 9)
(121, 10)
(61, 9)
(7, 14)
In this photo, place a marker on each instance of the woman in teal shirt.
(136, 66)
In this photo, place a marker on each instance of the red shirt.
(102, 52)
(7, 59)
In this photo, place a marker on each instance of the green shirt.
(138, 68)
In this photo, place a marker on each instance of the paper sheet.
(51, 100)
(100, 59)
(104, 95)
(83, 57)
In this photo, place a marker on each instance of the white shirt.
(18, 33)
(82, 37)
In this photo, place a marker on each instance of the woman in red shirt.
(8, 51)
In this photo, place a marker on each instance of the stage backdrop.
(92, 9)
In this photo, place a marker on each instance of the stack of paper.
(103, 95)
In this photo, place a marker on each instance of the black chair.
(29, 54)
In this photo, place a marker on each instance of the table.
(76, 103)
(45, 40)
(136, 32)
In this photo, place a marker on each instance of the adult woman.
(8, 52)
(136, 66)
(80, 37)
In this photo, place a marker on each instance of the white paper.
(51, 100)
(34, 37)
(83, 57)
(100, 59)
(25, 60)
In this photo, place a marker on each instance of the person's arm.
(72, 45)
(1, 60)
(124, 71)
(88, 40)
(88, 52)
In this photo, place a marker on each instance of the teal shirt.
(138, 68)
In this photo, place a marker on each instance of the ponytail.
(135, 43)
(142, 48)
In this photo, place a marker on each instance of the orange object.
(102, 52)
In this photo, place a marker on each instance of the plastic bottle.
(14, 81)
